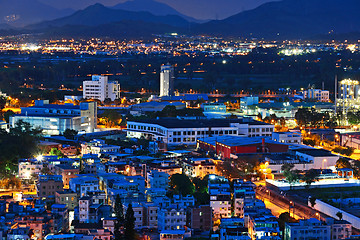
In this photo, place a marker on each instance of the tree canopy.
(181, 184)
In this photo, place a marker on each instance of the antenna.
(335, 101)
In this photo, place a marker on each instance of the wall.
(331, 211)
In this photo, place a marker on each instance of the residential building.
(146, 215)
(340, 229)
(199, 167)
(48, 185)
(200, 218)
(233, 229)
(265, 227)
(98, 147)
(156, 179)
(307, 229)
(287, 137)
(29, 168)
(167, 80)
(101, 88)
(174, 131)
(84, 184)
(60, 215)
(171, 218)
(220, 196)
(54, 119)
(67, 197)
(67, 172)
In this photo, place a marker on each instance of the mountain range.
(18, 13)
(286, 19)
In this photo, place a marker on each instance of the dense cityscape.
(116, 132)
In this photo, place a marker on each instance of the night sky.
(201, 9)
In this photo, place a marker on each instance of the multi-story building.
(60, 215)
(200, 218)
(171, 218)
(307, 229)
(67, 197)
(264, 227)
(175, 131)
(146, 215)
(340, 229)
(243, 194)
(98, 147)
(220, 196)
(67, 172)
(156, 179)
(101, 88)
(167, 80)
(233, 229)
(54, 119)
(84, 209)
(198, 167)
(84, 184)
(318, 94)
(287, 137)
(48, 185)
(29, 168)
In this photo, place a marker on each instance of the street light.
(317, 215)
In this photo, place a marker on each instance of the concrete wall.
(331, 211)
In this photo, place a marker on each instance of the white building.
(287, 137)
(318, 94)
(54, 119)
(29, 168)
(171, 218)
(167, 80)
(146, 215)
(199, 167)
(98, 147)
(307, 229)
(176, 131)
(84, 209)
(321, 159)
(220, 196)
(156, 179)
(100, 88)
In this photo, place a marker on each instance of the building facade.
(167, 80)
(54, 119)
(101, 88)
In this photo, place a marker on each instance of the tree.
(310, 177)
(70, 133)
(181, 184)
(339, 215)
(119, 214)
(290, 175)
(342, 163)
(111, 118)
(129, 233)
(7, 115)
(312, 201)
(56, 152)
(285, 218)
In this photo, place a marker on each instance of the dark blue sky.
(202, 9)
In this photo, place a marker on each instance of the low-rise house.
(48, 185)
(67, 197)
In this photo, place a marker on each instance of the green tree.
(339, 215)
(120, 219)
(285, 218)
(7, 115)
(129, 233)
(310, 177)
(56, 152)
(20, 142)
(111, 118)
(290, 175)
(342, 163)
(70, 133)
(181, 184)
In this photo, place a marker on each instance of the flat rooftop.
(200, 123)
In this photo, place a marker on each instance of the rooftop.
(316, 152)
(200, 123)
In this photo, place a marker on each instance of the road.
(278, 204)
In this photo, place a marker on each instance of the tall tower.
(167, 80)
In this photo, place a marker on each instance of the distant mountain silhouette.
(19, 13)
(290, 19)
(153, 7)
(125, 29)
(98, 14)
